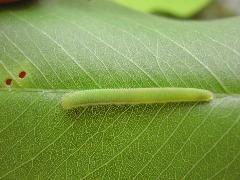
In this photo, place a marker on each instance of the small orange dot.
(22, 74)
(8, 82)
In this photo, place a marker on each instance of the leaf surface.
(65, 46)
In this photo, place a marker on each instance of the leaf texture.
(65, 46)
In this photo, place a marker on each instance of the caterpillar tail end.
(209, 96)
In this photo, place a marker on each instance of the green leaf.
(66, 46)
(179, 8)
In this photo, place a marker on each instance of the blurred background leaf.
(193, 9)
(179, 8)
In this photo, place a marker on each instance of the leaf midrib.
(62, 91)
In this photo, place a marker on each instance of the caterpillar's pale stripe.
(134, 96)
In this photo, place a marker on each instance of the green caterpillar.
(134, 96)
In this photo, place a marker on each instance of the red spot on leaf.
(8, 82)
(22, 74)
